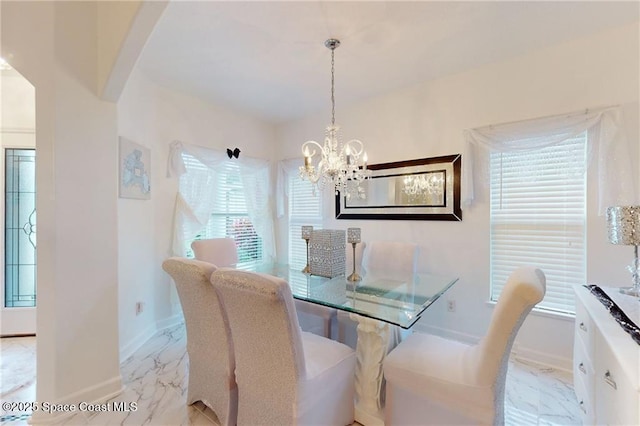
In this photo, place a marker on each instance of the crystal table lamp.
(306, 236)
(353, 237)
(624, 228)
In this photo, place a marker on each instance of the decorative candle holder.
(327, 252)
(306, 236)
(353, 237)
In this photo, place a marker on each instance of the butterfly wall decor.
(234, 153)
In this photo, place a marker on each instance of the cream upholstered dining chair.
(383, 259)
(432, 380)
(285, 376)
(390, 258)
(209, 345)
(222, 252)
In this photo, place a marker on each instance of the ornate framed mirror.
(422, 189)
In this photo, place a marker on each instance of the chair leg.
(341, 333)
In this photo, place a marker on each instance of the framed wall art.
(135, 170)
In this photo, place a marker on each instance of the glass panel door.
(19, 241)
(20, 228)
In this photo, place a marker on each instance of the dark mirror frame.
(450, 210)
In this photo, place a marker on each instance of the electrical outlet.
(451, 305)
(139, 308)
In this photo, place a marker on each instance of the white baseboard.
(447, 333)
(174, 320)
(136, 343)
(542, 358)
(95, 394)
(523, 353)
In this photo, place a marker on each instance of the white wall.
(17, 112)
(115, 19)
(154, 117)
(76, 179)
(18, 108)
(428, 119)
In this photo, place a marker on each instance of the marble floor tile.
(17, 375)
(155, 378)
(539, 395)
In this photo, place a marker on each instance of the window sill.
(544, 313)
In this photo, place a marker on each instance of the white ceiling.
(268, 58)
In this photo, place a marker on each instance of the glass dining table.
(391, 298)
(381, 303)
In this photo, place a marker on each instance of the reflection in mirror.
(425, 189)
(421, 189)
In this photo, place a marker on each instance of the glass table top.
(398, 300)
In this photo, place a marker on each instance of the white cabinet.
(606, 366)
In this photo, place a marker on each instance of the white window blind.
(305, 208)
(538, 216)
(230, 218)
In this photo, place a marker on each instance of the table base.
(375, 340)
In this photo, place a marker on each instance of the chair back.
(209, 344)
(392, 257)
(525, 287)
(206, 323)
(267, 341)
(222, 252)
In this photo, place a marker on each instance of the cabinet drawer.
(617, 399)
(582, 372)
(584, 402)
(584, 328)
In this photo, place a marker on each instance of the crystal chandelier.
(339, 163)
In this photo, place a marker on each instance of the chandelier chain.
(333, 99)
(343, 165)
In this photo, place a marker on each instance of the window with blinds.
(538, 218)
(230, 218)
(305, 208)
